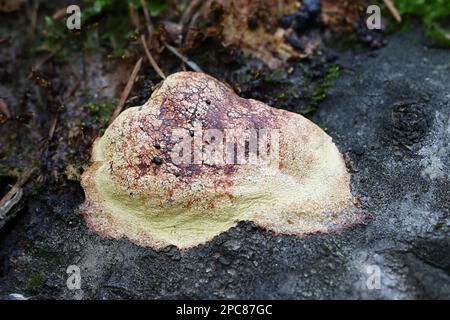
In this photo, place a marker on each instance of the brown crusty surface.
(134, 188)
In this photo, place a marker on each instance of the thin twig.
(134, 17)
(59, 14)
(151, 60)
(72, 89)
(148, 21)
(126, 91)
(51, 131)
(55, 50)
(13, 196)
(189, 12)
(4, 109)
(3, 40)
(393, 10)
(183, 58)
(152, 42)
(12, 200)
(34, 17)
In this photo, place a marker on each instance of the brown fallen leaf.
(254, 26)
(265, 40)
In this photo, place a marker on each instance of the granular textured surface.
(211, 169)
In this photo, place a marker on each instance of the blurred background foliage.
(434, 14)
(112, 20)
(115, 29)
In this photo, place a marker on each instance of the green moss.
(277, 75)
(320, 91)
(439, 226)
(432, 13)
(34, 283)
(101, 111)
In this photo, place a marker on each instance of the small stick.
(183, 58)
(59, 14)
(126, 91)
(72, 90)
(4, 109)
(34, 17)
(151, 60)
(55, 50)
(13, 196)
(134, 17)
(393, 10)
(189, 12)
(51, 131)
(148, 21)
(45, 143)
(12, 200)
